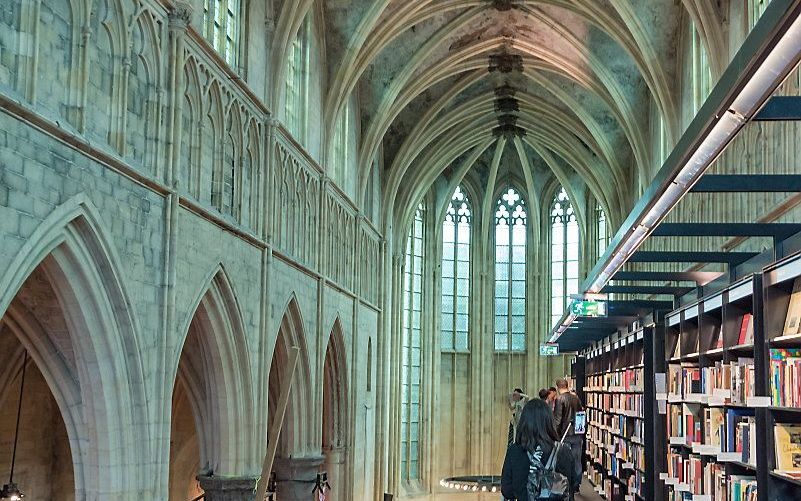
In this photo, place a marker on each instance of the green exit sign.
(549, 350)
(588, 308)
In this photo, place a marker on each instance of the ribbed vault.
(589, 78)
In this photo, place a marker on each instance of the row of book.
(785, 377)
(619, 380)
(730, 382)
(630, 404)
(717, 429)
(691, 475)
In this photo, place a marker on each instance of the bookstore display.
(614, 393)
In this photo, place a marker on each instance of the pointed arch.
(100, 391)
(335, 390)
(296, 438)
(214, 367)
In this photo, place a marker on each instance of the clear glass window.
(411, 349)
(456, 274)
(511, 219)
(564, 254)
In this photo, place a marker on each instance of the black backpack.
(544, 482)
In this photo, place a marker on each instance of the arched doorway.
(335, 406)
(297, 458)
(62, 302)
(212, 431)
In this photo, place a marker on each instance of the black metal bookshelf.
(619, 395)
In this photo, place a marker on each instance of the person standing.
(517, 400)
(535, 439)
(566, 406)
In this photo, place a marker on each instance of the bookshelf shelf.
(796, 482)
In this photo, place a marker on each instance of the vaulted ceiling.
(568, 84)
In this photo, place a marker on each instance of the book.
(788, 447)
(785, 377)
(734, 417)
(792, 323)
(714, 426)
(746, 325)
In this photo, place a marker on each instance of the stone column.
(296, 477)
(228, 488)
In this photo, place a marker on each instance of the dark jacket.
(516, 466)
(565, 409)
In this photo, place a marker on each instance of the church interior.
(330, 249)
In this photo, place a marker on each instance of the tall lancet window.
(221, 27)
(510, 272)
(411, 377)
(564, 254)
(297, 81)
(603, 229)
(456, 273)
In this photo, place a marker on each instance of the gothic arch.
(296, 437)
(214, 368)
(335, 438)
(99, 388)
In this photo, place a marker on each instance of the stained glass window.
(221, 27)
(411, 349)
(510, 272)
(564, 254)
(456, 273)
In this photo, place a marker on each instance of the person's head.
(536, 425)
(552, 393)
(561, 385)
(545, 393)
(517, 394)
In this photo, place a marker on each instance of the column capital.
(180, 14)
(228, 488)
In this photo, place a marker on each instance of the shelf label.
(702, 497)
(758, 401)
(678, 440)
(628, 466)
(683, 487)
(706, 450)
(663, 476)
(661, 396)
(659, 382)
(730, 456)
(671, 481)
(722, 392)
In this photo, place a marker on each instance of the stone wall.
(148, 190)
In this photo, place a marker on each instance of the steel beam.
(779, 231)
(748, 183)
(731, 258)
(647, 290)
(699, 277)
(780, 108)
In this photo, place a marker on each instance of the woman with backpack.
(533, 469)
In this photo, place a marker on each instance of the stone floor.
(587, 493)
